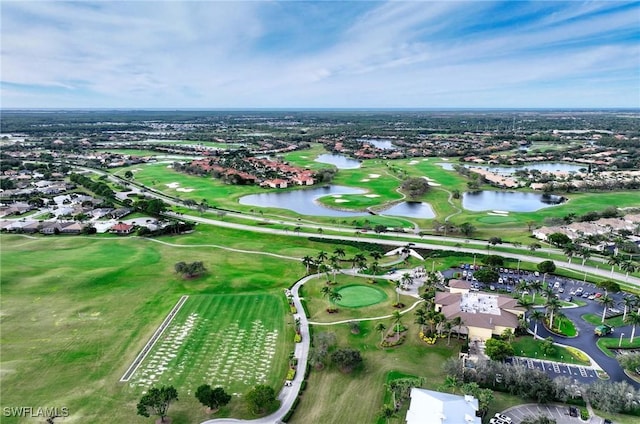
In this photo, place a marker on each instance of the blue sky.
(323, 54)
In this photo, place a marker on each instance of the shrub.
(584, 414)
(293, 309)
(297, 338)
(291, 374)
(429, 340)
(386, 343)
(303, 385)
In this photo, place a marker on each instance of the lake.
(380, 143)
(304, 202)
(411, 210)
(340, 161)
(508, 170)
(486, 200)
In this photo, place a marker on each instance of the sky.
(319, 54)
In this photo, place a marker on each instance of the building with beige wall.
(483, 314)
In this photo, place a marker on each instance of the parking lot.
(560, 413)
(557, 369)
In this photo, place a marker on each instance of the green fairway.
(357, 296)
(236, 341)
(76, 311)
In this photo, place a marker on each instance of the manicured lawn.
(76, 311)
(236, 341)
(383, 291)
(530, 348)
(607, 343)
(596, 319)
(565, 326)
(358, 295)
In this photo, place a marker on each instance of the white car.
(502, 417)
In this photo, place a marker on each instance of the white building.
(429, 407)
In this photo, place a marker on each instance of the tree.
(335, 296)
(536, 316)
(633, 319)
(415, 187)
(607, 302)
(467, 229)
(326, 291)
(629, 302)
(558, 239)
(387, 412)
(190, 270)
(494, 240)
(486, 275)
(397, 317)
(339, 252)
(494, 261)
(534, 246)
(498, 350)
(157, 401)
(260, 398)
(380, 329)
(128, 175)
(322, 256)
(547, 346)
(552, 306)
(346, 359)
(212, 398)
(546, 267)
(630, 361)
(307, 261)
(535, 286)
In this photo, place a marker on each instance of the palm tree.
(421, 320)
(552, 306)
(397, 283)
(614, 261)
(570, 250)
(380, 329)
(374, 268)
(458, 323)
(607, 302)
(339, 252)
(307, 261)
(335, 296)
(357, 259)
(536, 316)
(633, 319)
(451, 382)
(322, 256)
(585, 253)
(526, 304)
(324, 268)
(628, 266)
(535, 286)
(628, 302)
(448, 327)
(376, 255)
(326, 290)
(397, 316)
(522, 286)
(406, 278)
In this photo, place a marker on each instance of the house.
(122, 228)
(431, 407)
(277, 183)
(483, 314)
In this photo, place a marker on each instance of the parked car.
(502, 417)
(568, 298)
(573, 411)
(492, 287)
(597, 295)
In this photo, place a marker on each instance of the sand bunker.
(501, 212)
(186, 190)
(365, 180)
(432, 184)
(173, 185)
(371, 195)
(336, 195)
(413, 162)
(374, 175)
(341, 200)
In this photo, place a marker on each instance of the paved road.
(560, 413)
(559, 369)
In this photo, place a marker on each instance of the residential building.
(431, 407)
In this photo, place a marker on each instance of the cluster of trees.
(323, 350)
(190, 270)
(100, 188)
(153, 207)
(415, 187)
(157, 400)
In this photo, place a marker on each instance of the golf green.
(357, 296)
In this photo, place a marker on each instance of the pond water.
(486, 200)
(507, 170)
(411, 210)
(303, 202)
(340, 161)
(380, 143)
